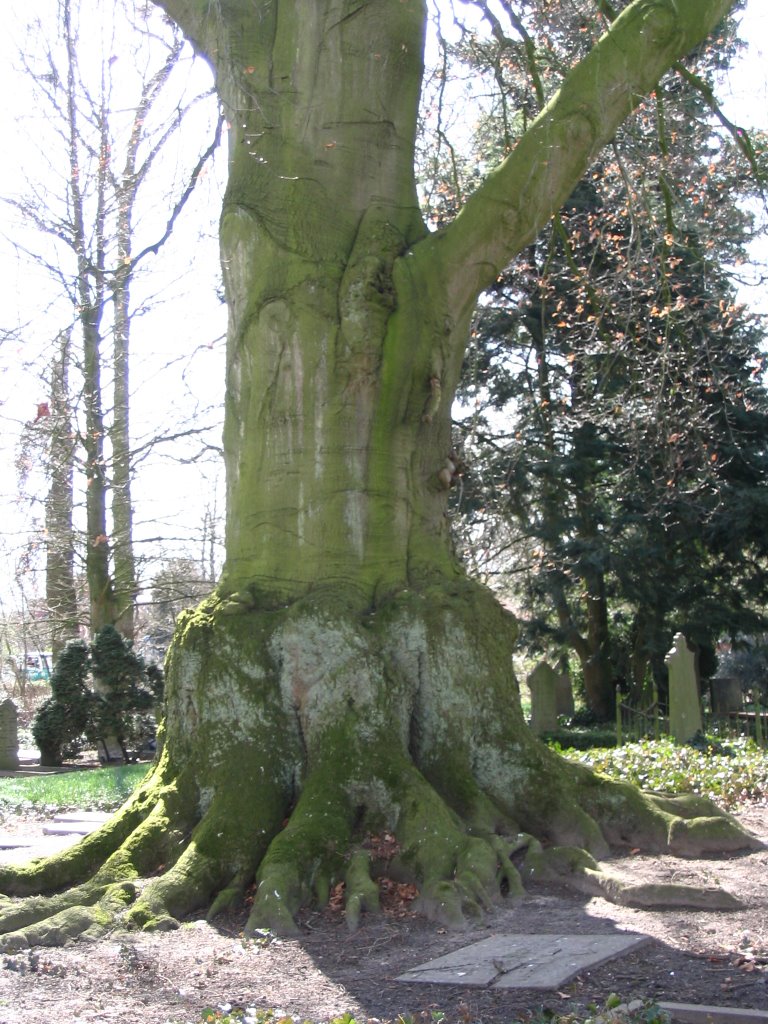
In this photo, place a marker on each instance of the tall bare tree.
(60, 588)
(111, 139)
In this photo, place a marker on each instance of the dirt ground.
(696, 956)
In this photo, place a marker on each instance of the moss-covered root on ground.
(460, 875)
(214, 863)
(462, 863)
(307, 856)
(686, 826)
(697, 826)
(80, 919)
(202, 866)
(95, 904)
(577, 869)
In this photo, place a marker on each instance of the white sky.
(173, 362)
(177, 364)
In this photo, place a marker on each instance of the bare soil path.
(696, 956)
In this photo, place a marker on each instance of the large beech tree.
(345, 676)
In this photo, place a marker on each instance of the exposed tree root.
(577, 869)
(294, 738)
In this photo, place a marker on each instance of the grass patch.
(99, 789)
(730, 774)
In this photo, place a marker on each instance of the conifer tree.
(633, 468)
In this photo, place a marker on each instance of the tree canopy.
(629, 465)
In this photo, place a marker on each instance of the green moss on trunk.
(345, 678)
(296, 734)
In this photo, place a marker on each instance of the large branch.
(516, 200)
(198, 20)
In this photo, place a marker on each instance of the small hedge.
(581, 739)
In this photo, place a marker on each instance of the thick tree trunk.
(596, 666)
(332, 344)
(345, 676)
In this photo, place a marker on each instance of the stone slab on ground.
(693, 1013)
(75, 823)
(524, 961)
(72, 828)
(21, 849)
(95, 817)
(70, 824)
(34, 771)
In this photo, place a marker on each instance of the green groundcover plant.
(729, 773)
(614, 1011)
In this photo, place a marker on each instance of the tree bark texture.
(345, 676)
(60, 591)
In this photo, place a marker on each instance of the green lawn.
(99, 789)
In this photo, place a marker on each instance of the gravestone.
(543, 684)
(109, 750)
(565, 705)
(684, 703)
(9, 736)
(727, 697)
(524, 961)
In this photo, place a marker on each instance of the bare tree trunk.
(61, 594)
(126, 188)
(125, 578)
(91, 296)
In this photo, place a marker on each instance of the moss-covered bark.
(345, 678)
(295, 734)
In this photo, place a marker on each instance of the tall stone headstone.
(727, 696)
(543, 683)
(684, 702)
(9, 736)
(565, 704)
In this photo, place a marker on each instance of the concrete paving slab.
(15, 842)
(74, 824)
(94, 817)
(692, 1013)
(20, 849)
(524, 961)
(80, 823)
(69, 828)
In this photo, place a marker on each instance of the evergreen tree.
(634, 471)
(127, 690)
(63, 720)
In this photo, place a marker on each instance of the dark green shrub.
(62, 722)
(127, 691)
(581, 739)
(584, 718)
(121, 707)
